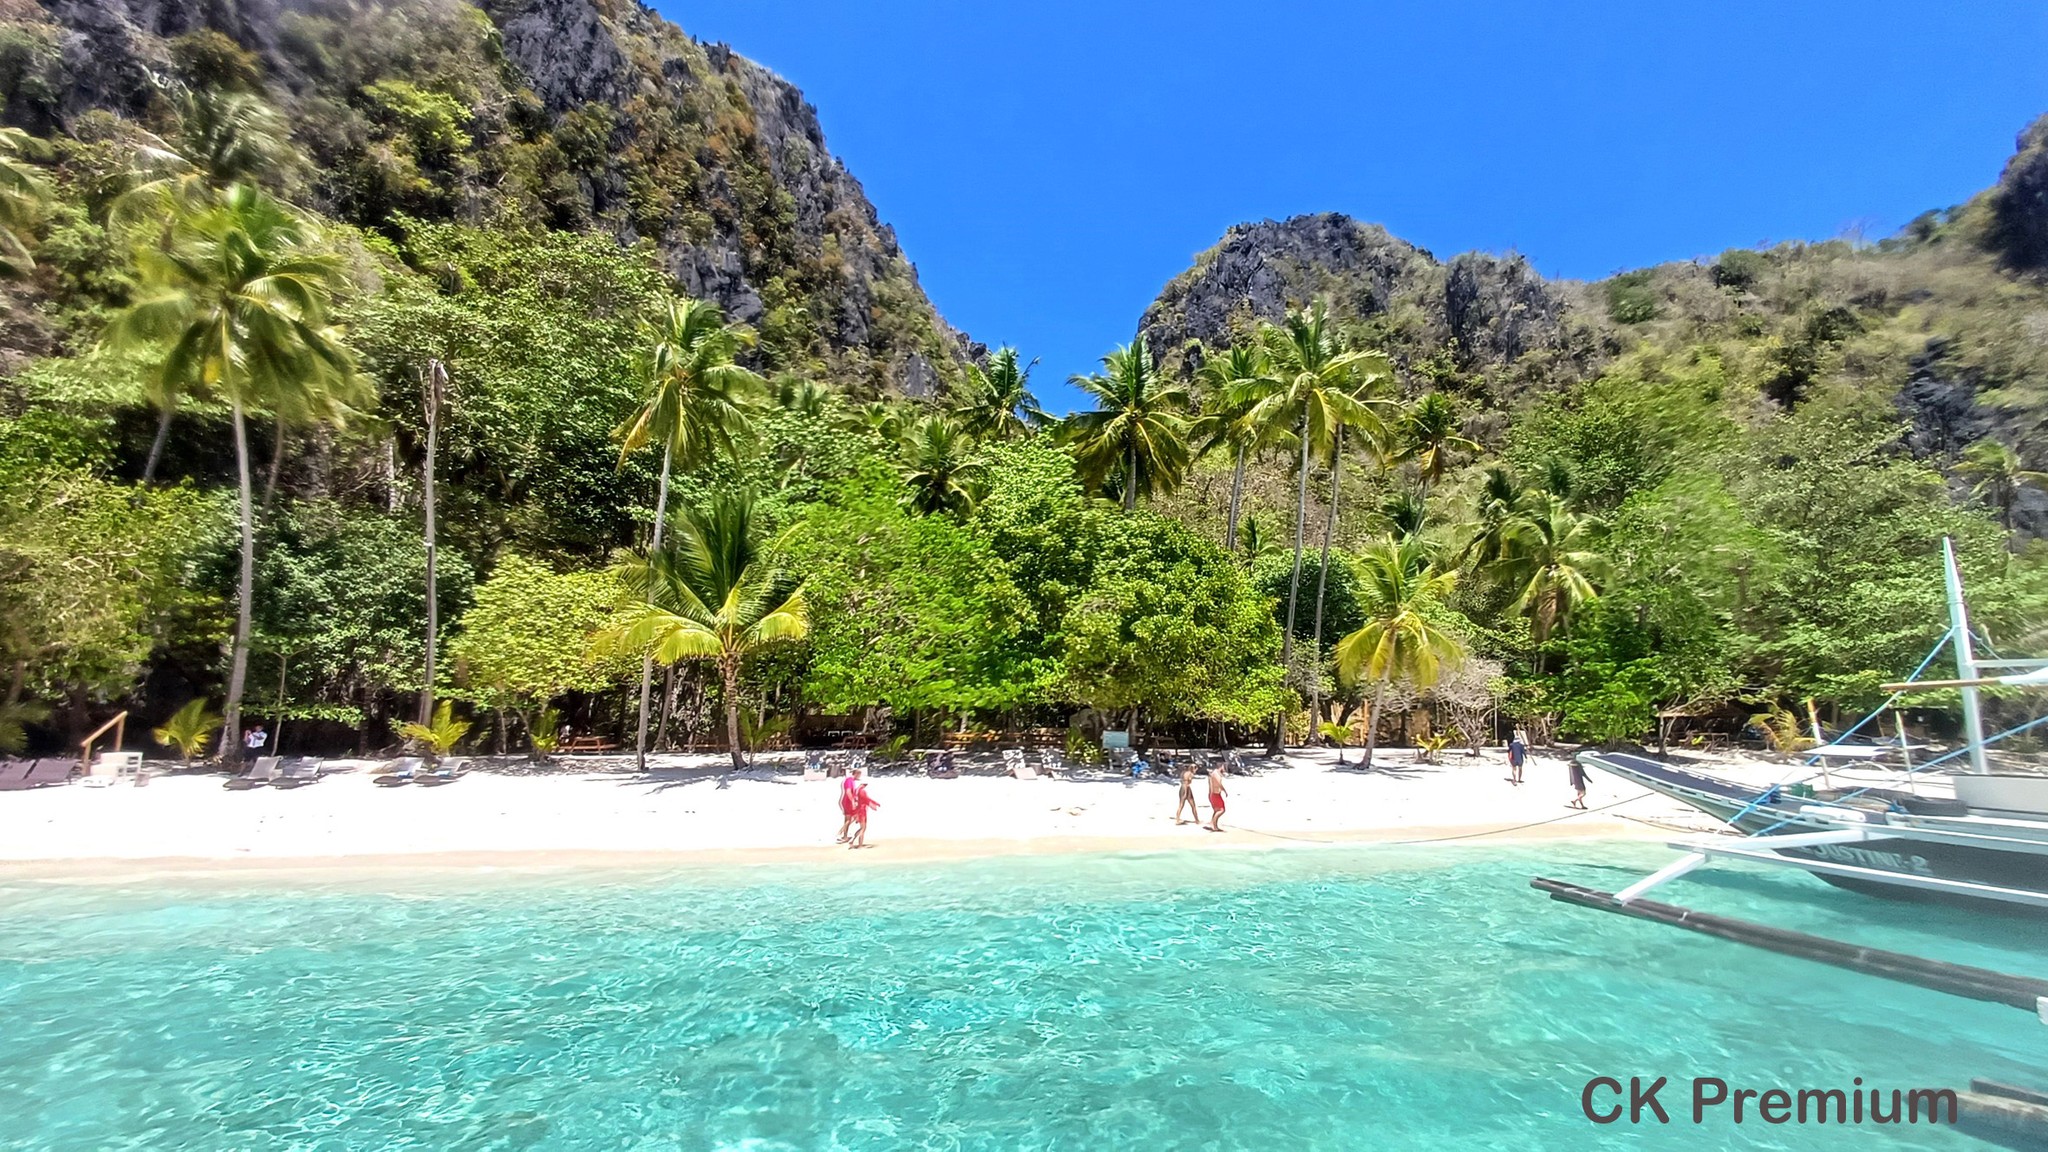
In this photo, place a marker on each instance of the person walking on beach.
(1518, 752)
(849, 803)
(1578, 777)
(862, 802)
(1187, 793)
(1215, 799)
(254, 740)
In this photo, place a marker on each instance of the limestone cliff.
(555, 113)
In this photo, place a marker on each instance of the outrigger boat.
(1988, 845)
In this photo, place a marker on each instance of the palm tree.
(1313, 385)
(223, 139)
(1136, 435)
(883, 418)
(1376, 434)
(1405, 513)
(1550, 560)
(997, 404)
(694, 404)
(1501, 499)
(712, 595)
(801, 395)
(1398, 585)
(1223, 423)
(1431, 437)
(23, 193)
(236, 300)
(938, 467)
(1999, 474)
(1253, 539)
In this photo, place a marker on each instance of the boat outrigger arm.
(1764, 850)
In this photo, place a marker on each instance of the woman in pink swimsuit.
(861, 803)
(849, 803)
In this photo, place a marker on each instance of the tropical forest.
(490, 375)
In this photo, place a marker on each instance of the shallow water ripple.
(1349, 998)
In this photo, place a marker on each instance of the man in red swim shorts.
(1216, 798)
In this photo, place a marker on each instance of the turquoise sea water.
(1344, 998)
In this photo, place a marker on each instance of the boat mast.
(1966, 660)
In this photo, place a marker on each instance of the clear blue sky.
(1049, 165)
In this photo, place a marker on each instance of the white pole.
(1966, 660)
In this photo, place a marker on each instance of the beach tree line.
(656, 535)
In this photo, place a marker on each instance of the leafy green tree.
(694, 406)
(939, 469)
(1402, 637)
(712, 594)
(997, 404)
(341, 598)
(1170, 626)
(238, 298)
(1998, 474)
(540, 333)
(1136, 439)
(96, 578)
(527, 640)
(910, 612)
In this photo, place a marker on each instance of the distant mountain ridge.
(1945, 324)
(561, 113)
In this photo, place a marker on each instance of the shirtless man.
(1216, 798)
(1187, 793)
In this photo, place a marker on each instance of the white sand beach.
(600, 806)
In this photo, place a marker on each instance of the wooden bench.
(588, 744)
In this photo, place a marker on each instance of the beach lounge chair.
(262, 772)
(399, 771)
(1013, 759)
(814, 765)
(296, 771)
(14, 774)
(448, 771)
(49, 772)
(939, 765)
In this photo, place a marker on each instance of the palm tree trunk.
(156, 446)
(668, 709)
(729, 668)
(1236, 503)
(276, 463)
(1131, 476)
(245, 591)
(1293, 582)
(647, 661)
(1372, 720)
(1315, 705)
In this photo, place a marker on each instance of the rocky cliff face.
(2019, 203)
(567, 113)
(1483, 316)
